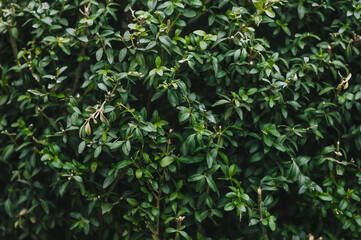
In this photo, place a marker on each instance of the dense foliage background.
(191, 119)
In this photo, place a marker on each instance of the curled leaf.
(88, 129)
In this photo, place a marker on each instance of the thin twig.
(259, 193)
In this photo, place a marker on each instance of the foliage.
(184, 119)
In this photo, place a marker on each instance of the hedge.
(184, 119)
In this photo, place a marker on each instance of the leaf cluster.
(184, 119)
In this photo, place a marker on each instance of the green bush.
(191, 119)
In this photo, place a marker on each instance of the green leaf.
(8, 150)
(358, 219)
(151, 4)
(45, 206)
(63, 188)
(47, 20)
(116, 145)
(220, 102)
(94, 166)
(81, 147)
(166, 161)
(50, 39)
(140, 59)
(301, 11)
(339, 64)
(122, 54)
(157, 95)
(14, 32)
(123, 164)
(325, 197)
(272, 225)
(195, 177)
(274, 131)
(253, 221)
(203, 45)
(251, 91)
(34, 91)
(294, 170)
(102, 87)
(126, 147)
(172, 98)
(256, 157)
(211, 184)
(355, 197)
(83, 39)
(158, 61)
(166, 41)
(190, 159)
(183, 116)
(132, 202)
(239, 112)
(200, 33)
(150, 45)
(229, 207)
(8, 207)
(232, 170)
(258, 4)
(188, 13)
(97, 151)
(243, 54)
(109, 180)
(46, 157)
(268, 140)
(343, 204)
(210, 157)
(270, 13)
(138, 173)
(110, 55)
(3, 99)
(170, 230)
(325, 90)
(184, 234)
(78, 178)
(106, 207)
(294, 104)
(99, 54)
(169, 9)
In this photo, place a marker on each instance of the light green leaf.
(81, 147)
(122, 54)
(258, 4)
(158, 61)
(99, 54)
(325, 197)
(138, 173)
(200, 33)
(220, 102)
(195, 177)
(97, 151)
(270, 13)
(166, 161)
(232, 170)
(102, 87)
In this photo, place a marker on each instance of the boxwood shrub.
(184, 119)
